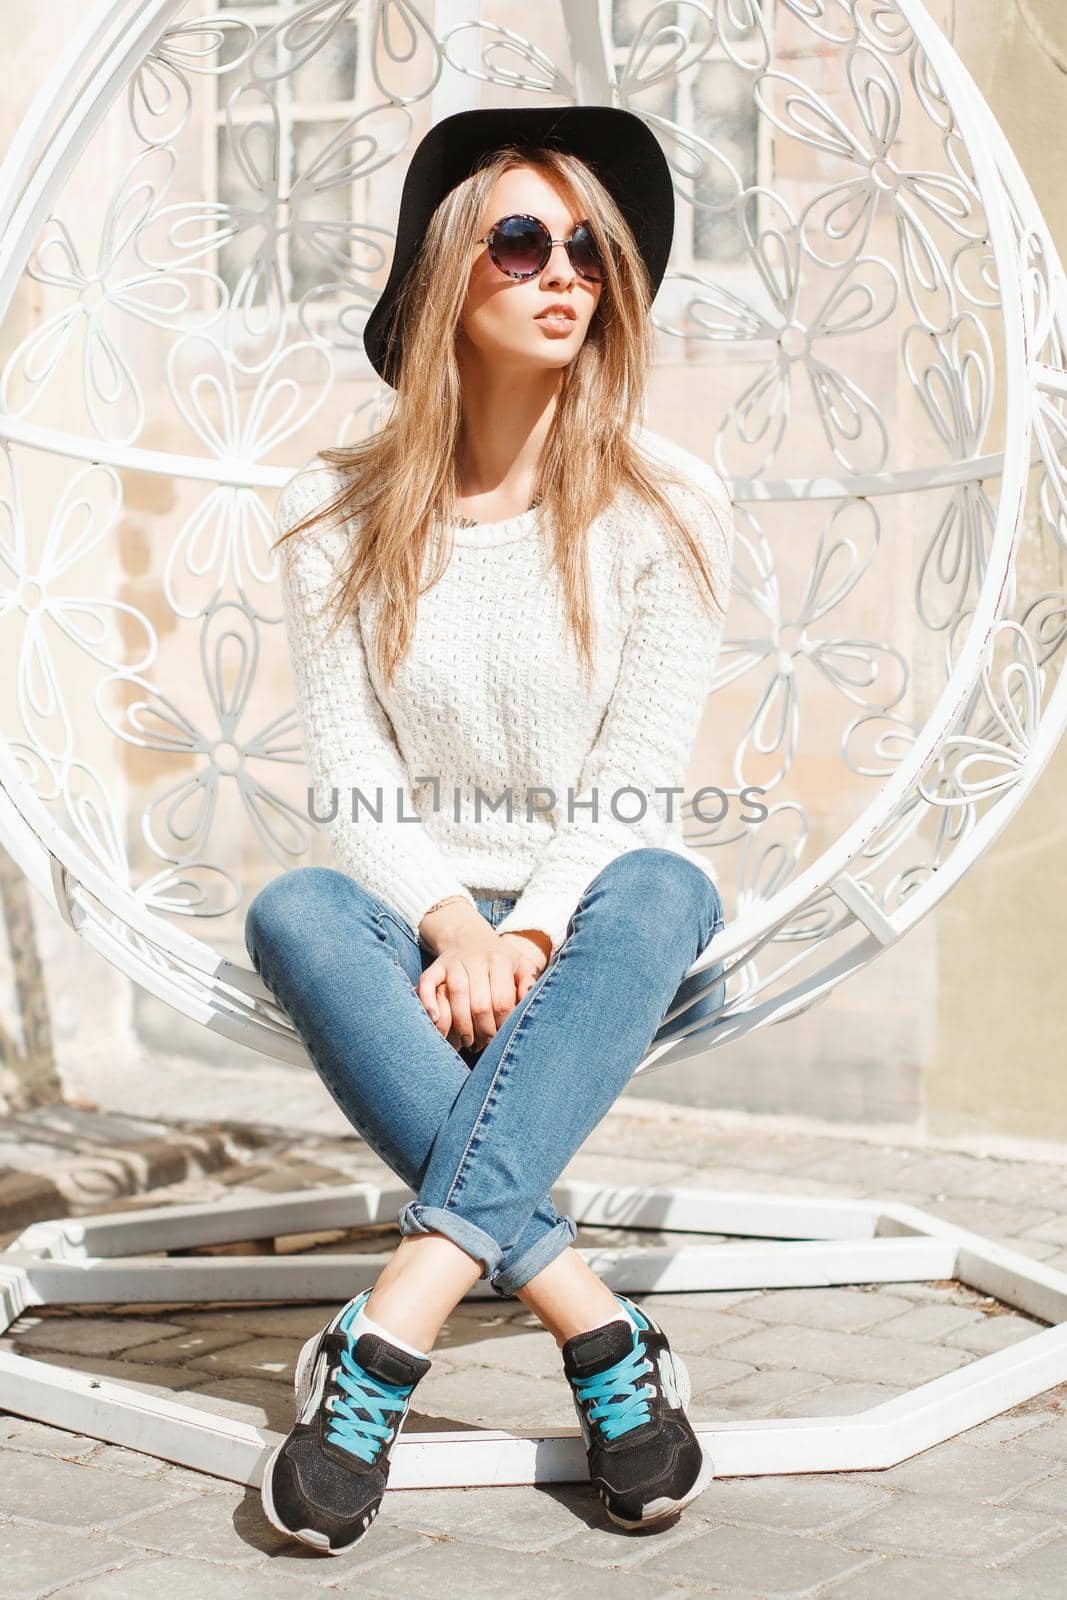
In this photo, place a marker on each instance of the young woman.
(513, 592)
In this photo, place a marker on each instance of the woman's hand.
(477, 976)
(529, 964)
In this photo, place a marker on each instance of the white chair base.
(800, 1242)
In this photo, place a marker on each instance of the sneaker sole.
(663, 1506)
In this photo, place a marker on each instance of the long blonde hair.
(398, 476)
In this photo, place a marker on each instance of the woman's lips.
(557, 322)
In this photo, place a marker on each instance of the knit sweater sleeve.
(646, 737)
(347, 737)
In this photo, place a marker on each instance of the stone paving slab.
(983, 1515)
(755, 1562)
(60, 1161)
(35, 1563)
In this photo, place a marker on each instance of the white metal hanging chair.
(876, 255)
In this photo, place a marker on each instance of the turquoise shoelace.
(621, 1402)
(363, 1436)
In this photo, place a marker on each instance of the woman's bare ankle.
(568, 1297)
(420, 1286)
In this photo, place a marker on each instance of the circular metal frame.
(794, 935)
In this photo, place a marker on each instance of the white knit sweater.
(490, 699)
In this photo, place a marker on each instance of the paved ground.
(984, 1515)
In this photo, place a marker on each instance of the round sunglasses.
(520, 245)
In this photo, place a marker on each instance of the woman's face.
(503, 317)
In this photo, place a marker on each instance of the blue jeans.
(481, 1136)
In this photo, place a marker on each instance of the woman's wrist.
(454, 911)
(536, 936)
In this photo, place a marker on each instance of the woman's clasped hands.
(478, 975)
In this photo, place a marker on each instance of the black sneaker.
(630, 1392)
(324, 1483)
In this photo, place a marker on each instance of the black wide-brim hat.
(621, 149)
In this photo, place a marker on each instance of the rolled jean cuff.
(532, 1261)
(414, 1217)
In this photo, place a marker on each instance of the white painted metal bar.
(683, 1208)
(337, 1276)
(908, 1243)
(858, 900)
